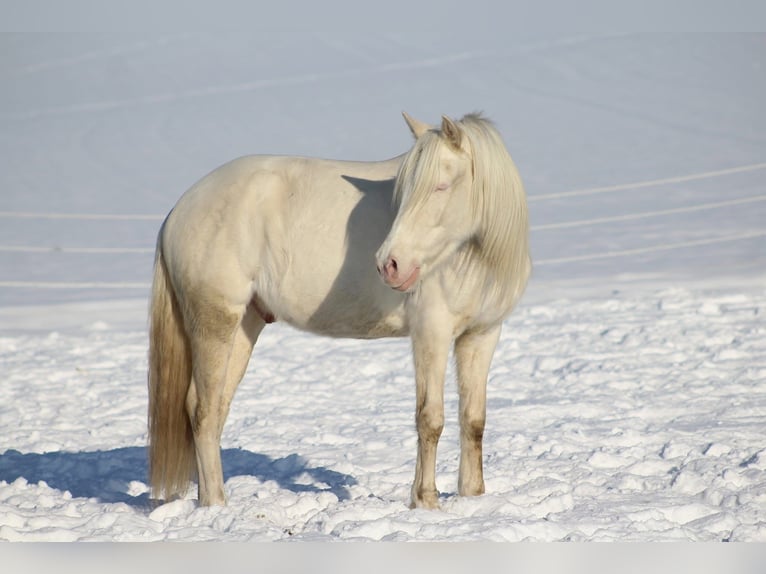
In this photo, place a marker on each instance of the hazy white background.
(626, 399)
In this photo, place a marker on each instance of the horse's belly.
(358, 322)
(339, 310)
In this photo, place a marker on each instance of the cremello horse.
(432, 244)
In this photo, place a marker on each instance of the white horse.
(264, 239)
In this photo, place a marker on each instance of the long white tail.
(172, 460)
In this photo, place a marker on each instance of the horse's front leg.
(473, 355)
(431, 350)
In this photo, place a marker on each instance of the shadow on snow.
(106, 475)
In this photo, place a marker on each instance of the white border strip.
(648, 183)
(651, 249)
(554, 261)
(74, 285)
(86, 250)
(530, 199)
(544, 227)
(645, 214)
(91, 216)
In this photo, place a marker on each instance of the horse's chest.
(472, 312)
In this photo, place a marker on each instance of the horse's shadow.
(107, 475)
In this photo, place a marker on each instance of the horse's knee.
(430, 424)
(201, 410)
(472, 428)
(199, 417)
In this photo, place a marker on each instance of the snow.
(626, 399)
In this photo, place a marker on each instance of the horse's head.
(436, 214)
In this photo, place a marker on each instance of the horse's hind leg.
(221, 345)
(473, 355)
(244, 339)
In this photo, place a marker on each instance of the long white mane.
(500, 249)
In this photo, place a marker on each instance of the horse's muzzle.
(396, 278)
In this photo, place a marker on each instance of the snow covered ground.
(628, 418)
(627, 399)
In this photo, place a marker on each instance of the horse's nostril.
(393, 264)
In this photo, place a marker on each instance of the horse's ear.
(417, 127)
(452, 133)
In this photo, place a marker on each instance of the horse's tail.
(171, 443)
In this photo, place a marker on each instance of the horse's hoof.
(429, 502)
